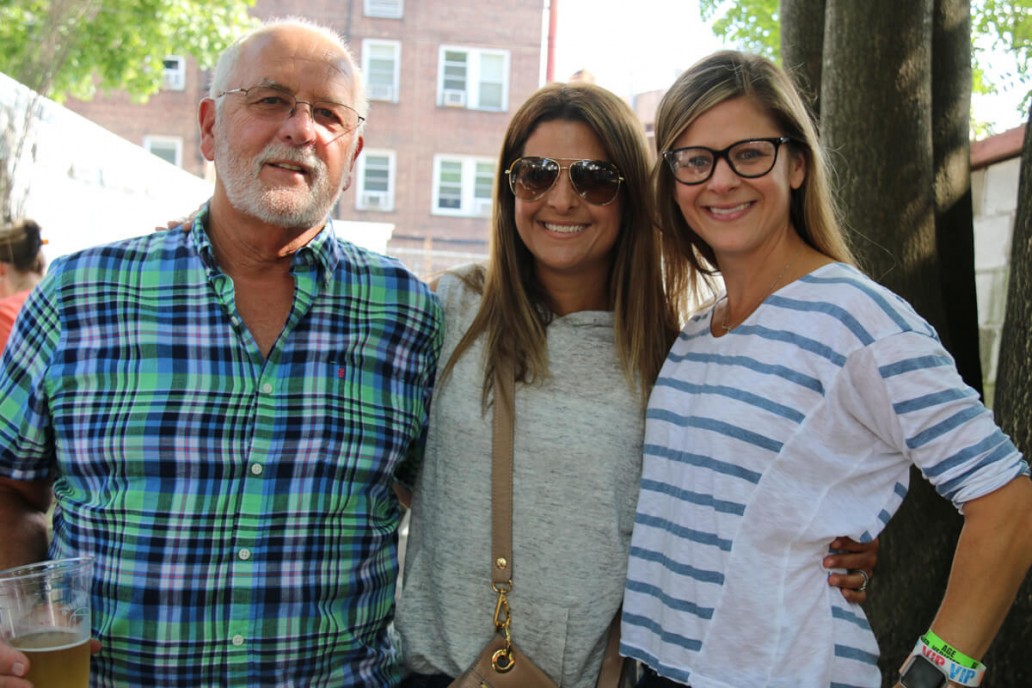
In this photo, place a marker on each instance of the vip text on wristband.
(956, 673)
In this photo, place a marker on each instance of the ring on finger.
(866, 576)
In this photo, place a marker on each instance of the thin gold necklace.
(770, 290)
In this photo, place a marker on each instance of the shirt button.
(267, 388)
(256, 469)
(244, 554)
(238, 640)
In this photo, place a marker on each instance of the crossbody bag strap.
(501, 475)
(502, 429)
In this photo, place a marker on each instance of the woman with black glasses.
(790, 410)
(576, 298)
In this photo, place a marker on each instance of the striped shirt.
(240, 509)
(764, 445)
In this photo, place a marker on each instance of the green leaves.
(75, 47)
(997, 26)
(751, 25)
(1000, 26)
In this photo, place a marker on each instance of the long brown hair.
(513, 313)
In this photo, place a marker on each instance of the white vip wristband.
(957, 673)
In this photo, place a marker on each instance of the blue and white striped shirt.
(764, 445)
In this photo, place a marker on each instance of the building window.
(175, 73)
(375, 181)
(168, 148)
(463, 186)
(381, 62)
(473, 78)
(389, 9)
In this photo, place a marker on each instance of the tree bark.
(954, 226)
(876, 118)
(1008, 659)
(802, 46)
(876, 93)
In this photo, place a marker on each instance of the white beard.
(280, 206)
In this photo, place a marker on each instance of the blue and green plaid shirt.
(240, 509)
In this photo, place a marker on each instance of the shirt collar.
(199, 236)
(322, 252)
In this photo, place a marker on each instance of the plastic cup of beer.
(45, 613)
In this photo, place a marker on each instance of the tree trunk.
(802, 46)
(1008, 659)
(876, 118)
(954, 226)
(876, 100)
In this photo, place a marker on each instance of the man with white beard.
(221, 413)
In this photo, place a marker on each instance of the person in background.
(22, 265)
(791, 409)
(222, 412)
(581, 297)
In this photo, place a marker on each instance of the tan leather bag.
(487, 673)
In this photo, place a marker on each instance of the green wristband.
(948, 651)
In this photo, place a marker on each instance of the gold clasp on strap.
(503, 660)
(501, 613)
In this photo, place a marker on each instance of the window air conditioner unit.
(453, 97)
(482, 207)
(381, 92)
(374, 200)
(174, 81)
(174, 77)
(392, 9)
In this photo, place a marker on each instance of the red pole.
(553, 20)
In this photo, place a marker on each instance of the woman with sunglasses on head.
(572, 297)
(791, 409)
(21, 268)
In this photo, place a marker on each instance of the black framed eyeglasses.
(277, 105)
(750, 158)
(596, 181)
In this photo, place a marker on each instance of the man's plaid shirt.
(240, 509)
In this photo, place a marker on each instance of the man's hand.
(13, 666)
(186, 223)
(859, 559)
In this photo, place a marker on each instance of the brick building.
(443, 80)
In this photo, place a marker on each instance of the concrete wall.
(995, 198)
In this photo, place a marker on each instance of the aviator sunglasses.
(596, 181)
